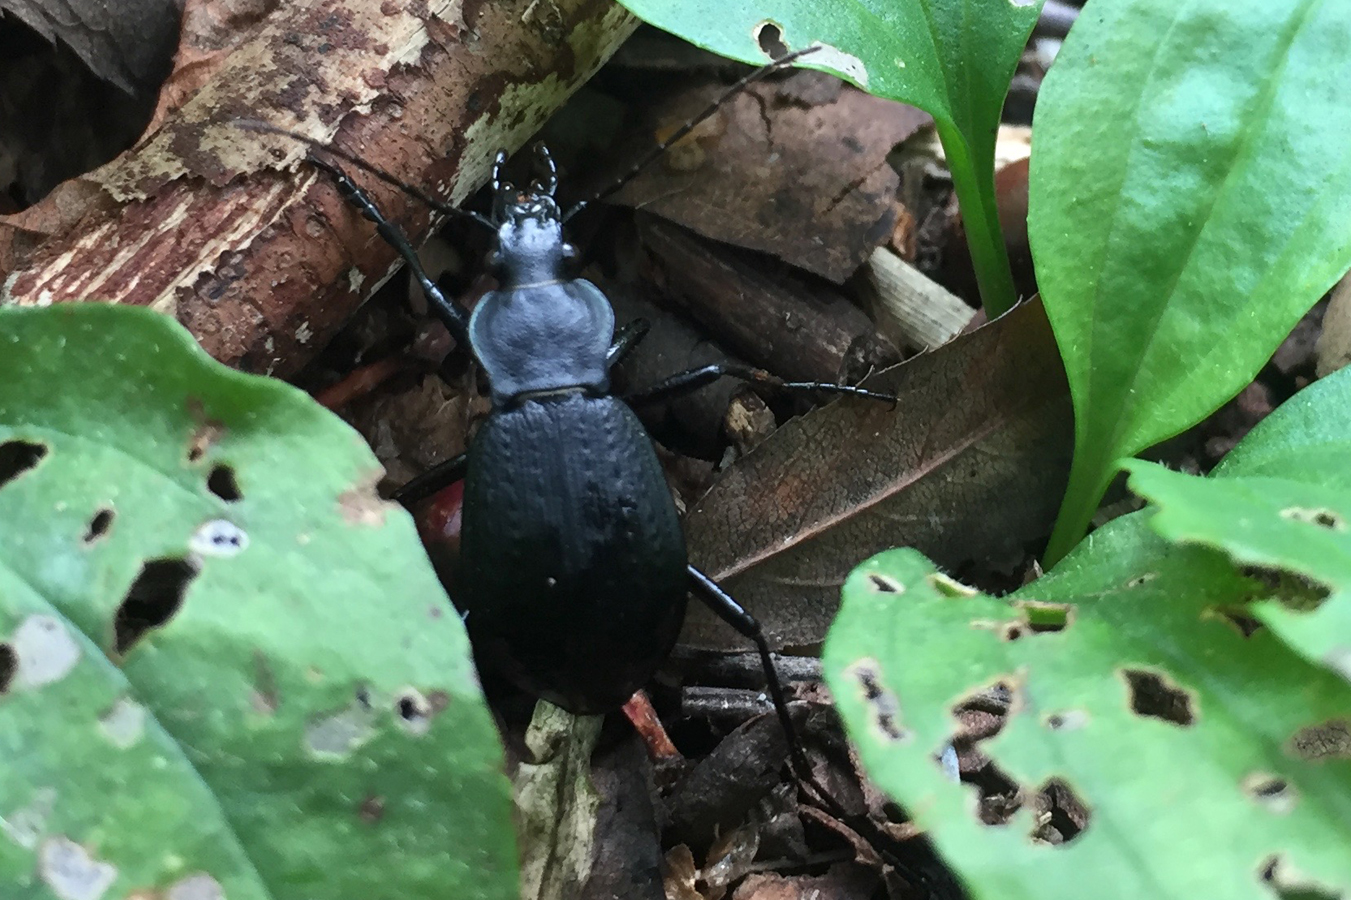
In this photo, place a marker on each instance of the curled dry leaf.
(970, 465)
(744, 180)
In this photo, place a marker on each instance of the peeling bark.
(228, 230)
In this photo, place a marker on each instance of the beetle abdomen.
(573, 562)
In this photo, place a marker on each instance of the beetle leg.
(692, 380)
(431, 481)
(734, 614)
(626, 338)
(454, 318)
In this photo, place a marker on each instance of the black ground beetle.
(573, 575)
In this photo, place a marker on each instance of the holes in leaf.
(884, 711)
(1061, 815)
(1323, 518)
(886, 584)
(9, 664)
(221, 482)
(98, 525)
(151, 601)
(1270, 791)
(1291, 885)
(1067, 720)
(1293, 591)
(17, 457)
(1000, 796)
(1154, 696)
(415, 711)
(1245, 624)
(770, 38)
(1042, 617)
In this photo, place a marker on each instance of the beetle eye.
(569, 251)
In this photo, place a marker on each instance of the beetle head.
(530, 246)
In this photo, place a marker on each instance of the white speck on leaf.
(196, 887)
(71, 873)
(45, 650)
(124, 724)
(26, 825)
(335, 736)
(845, 63)
(219, 538)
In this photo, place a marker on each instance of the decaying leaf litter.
(960, 463)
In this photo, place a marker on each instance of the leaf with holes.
(1151, 739)
(954, 60)
(1282, 501)
(1188, 203)
(222, 657)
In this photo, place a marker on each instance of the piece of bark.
(797, 332)
(255, 252)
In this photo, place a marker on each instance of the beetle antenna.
(752, 77)
(413, 191)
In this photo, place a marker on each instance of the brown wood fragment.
(229, 232)
(797, 331)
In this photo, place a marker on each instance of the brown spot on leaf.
(1154, 695)
(362, 505)
(1328, 740)
(372, 809)
(205, 436)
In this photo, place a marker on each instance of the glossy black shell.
(573, 561)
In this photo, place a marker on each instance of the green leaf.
(954, 60)
(312, 725)
(1281, 500)
(1212, 761)
(1188, 203)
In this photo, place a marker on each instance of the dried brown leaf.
(796, 168)
(969, 467)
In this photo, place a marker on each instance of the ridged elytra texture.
(574, 579)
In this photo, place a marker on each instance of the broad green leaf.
(954, 60)
(1276, 523)
(94, 795)
(312, 723)
(1190, 199)
(1281, 500)
(1212, 760)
